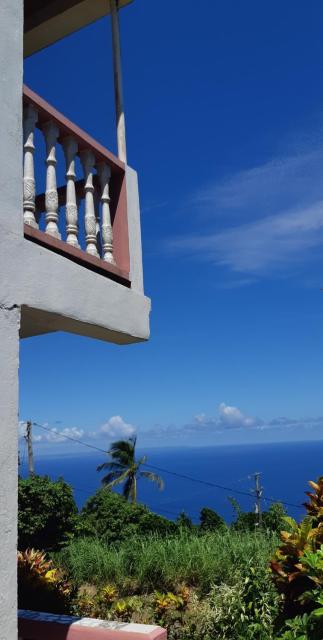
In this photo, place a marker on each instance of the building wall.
(44, 292)
(11, 41)
(9, 355)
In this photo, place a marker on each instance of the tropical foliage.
(210, 520)
(42, 586)
(108, 516)
(47, 513)
(297, 568)
(214, 585)
(200, 581)
(124, 468)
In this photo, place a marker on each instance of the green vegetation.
(199, 586)
(123, 468)
(162, 564)
(297, 569)
(210, 520)
(201, 581)
(272, 520)
(47, 513)
(39, 581)
(109, 517)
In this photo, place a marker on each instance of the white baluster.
(51, 133)
(104, 173)
(70, 150)
(88, 160)
(97, 203)
(30, 119)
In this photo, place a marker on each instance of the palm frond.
(113, 479)
(123, 451)
(153, 477)
(109, 477)
(113, 466)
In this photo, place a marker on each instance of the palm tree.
(124, 468)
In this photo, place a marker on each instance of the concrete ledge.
(33, 625)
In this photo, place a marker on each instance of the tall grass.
(143, 565)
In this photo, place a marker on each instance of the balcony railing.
(37, 626)
(85, 218)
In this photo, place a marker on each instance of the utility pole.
(258, 494)
(29, 440)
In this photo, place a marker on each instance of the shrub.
(183, 521)
(297, 569)
(210, 520)
(41, 586)
(47, 513)
(108, 516)
(272, 519)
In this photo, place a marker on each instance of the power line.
(173, 473)
(63, 435)
(219, 486)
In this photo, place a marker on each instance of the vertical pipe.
(117, 73)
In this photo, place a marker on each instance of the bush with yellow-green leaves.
(42, 586)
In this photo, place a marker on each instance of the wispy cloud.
(267, 218)
(281, 183)
(270, 243)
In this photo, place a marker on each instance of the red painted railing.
(56, 218)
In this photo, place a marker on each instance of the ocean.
(285, 469)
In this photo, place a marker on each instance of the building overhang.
(47, 21)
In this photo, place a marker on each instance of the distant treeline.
(48, 517)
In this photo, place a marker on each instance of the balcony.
(92, 229)
(82, 240)
(81, 250)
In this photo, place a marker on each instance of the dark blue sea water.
(285, 470)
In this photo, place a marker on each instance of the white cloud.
(281, 182)
(200, 418)
(268, 217)
(56, 436)
(234, 418)
(116, 427)
(271, 243)
(228, 417)
(231, 425)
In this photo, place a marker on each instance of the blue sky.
(224, 112)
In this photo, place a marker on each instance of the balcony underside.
(58, 294)
(47, 21)
(36, 322)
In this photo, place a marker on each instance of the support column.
(9, 364)
(118, 91)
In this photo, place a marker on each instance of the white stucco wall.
(9, 354)
(45, 290)
(11, 40)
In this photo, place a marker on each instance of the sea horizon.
(285, 470)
